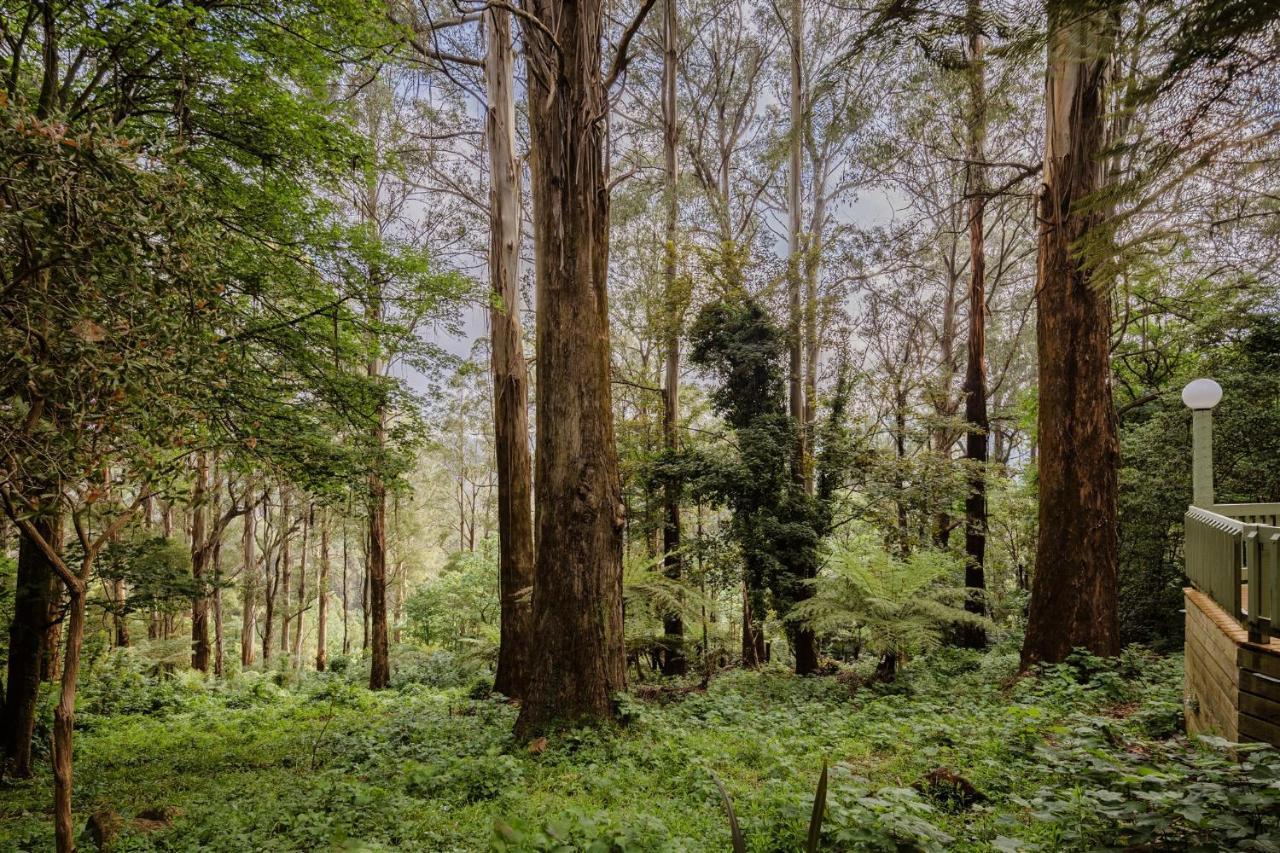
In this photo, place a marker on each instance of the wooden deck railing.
(1233, 556)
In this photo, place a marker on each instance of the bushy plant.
(460, 606)
(901, 607)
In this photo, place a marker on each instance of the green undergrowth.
(1085, 755)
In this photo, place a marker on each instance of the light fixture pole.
(1201, 395)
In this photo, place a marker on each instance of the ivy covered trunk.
(510, 372)
(1073, 592)
(578, 662)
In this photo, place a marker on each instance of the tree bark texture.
(1073, 592)
(34, 598)
(975, 378)
(578, 662)
(510, 372)
(674, 662)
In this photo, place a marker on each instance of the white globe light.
(1202, 394)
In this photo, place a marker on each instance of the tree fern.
(900, 607)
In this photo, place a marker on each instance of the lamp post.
(1201, 395)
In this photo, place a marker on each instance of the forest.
(655, 425)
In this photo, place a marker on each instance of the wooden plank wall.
(1212, 686)
(1232, 686)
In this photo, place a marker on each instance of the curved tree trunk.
(578, 662)
(1073, 593)
(510, 372)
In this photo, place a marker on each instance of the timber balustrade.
(1233, 556)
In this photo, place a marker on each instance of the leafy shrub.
(439, 669)
(460, 606)
(468, 778)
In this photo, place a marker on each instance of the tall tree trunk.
(510, 372)
(248, 590)
(199, 563)
(308, 517)
(34, 599)
(286, 567)
(364, 608)
(672, 626)
(400, 574)
(812, 329)
(270, 586)
(64, 714)
(1073, 593)
(322, 601)
(120, 620)
(752, 633)
(376, 550)
(346, 602)
(219, 647)
(795, 343)
(578, 663)
(975, 378)
(900, 454)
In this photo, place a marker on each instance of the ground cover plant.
(958, 754)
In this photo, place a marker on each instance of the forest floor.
(959, 755)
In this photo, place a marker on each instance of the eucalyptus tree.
(578, 662)
(510, 370)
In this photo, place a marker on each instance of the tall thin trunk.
(308, 518)
(270, 586)
(578, 663)
(510, 372)
(975, 379)
(812, 329)
(795, 343)
(376, 550)
(219, 647)
(199, 563)
(900, 453)
(1073, 592)
(346, 602)
(35, 596)
(364, 610)
(672, 625)
(286, 567)
(322, 600)
(752, 633)
(120, 619)
(248, 590)
(64, 714)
